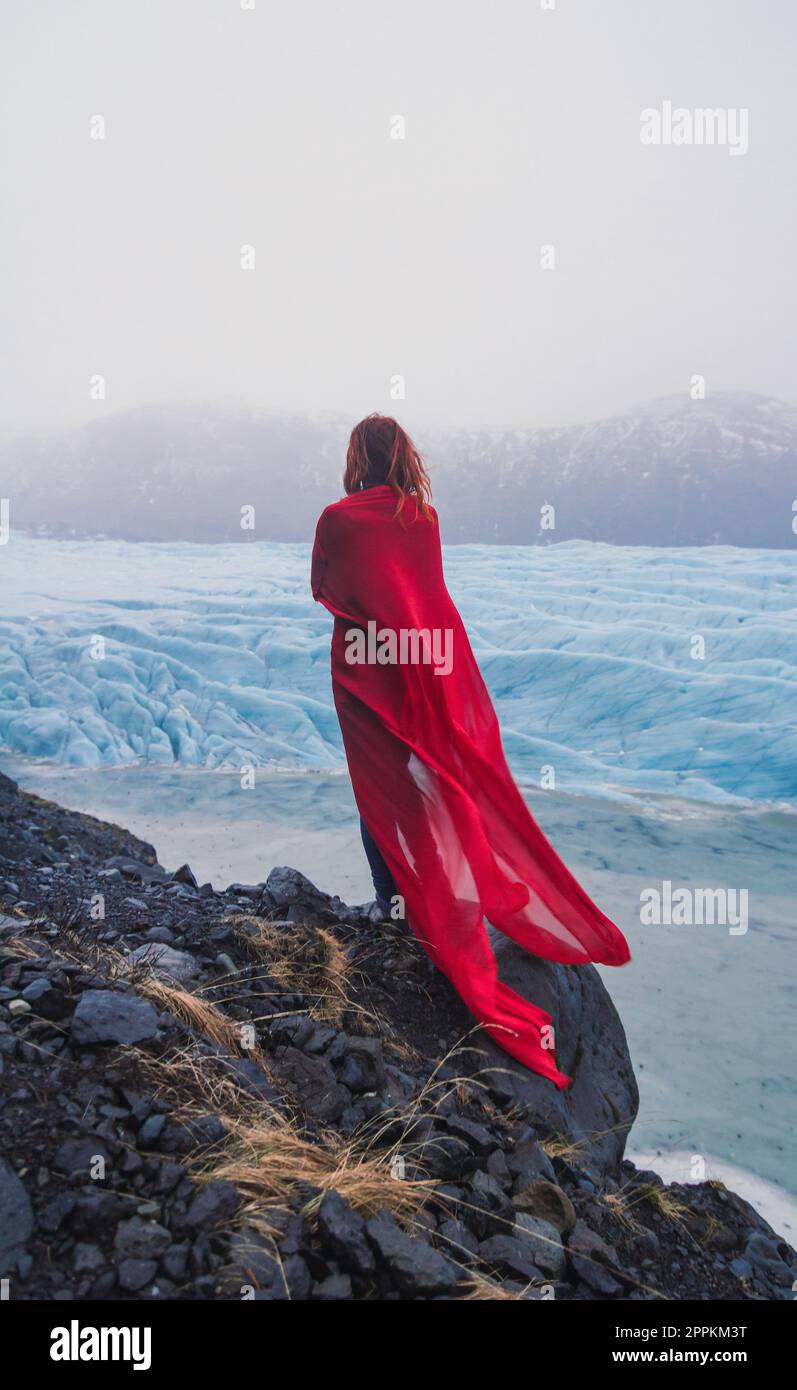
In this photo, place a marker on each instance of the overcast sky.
(378, 257)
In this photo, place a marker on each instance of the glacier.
(217, 657)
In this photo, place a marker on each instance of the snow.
(216, 656)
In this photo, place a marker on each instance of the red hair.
(380, 451)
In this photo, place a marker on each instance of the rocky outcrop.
(597, 1111)
(224, 1095)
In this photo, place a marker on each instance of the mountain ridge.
(671, 472)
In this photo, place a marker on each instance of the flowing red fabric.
(431, 780)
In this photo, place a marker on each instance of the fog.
(375, 257)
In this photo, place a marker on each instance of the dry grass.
(663, 1200)
(712, 1227)
(265, 1154)
(20, 948)
(302, 960)
(196, 1013)
(479, 1287)
(619, 1208)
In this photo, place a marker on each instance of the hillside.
(264, 1093)
(672, 473)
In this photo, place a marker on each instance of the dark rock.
(56, 1210)
(78, 1156)
(323, 1034)
(185, 875)
(141, 1240)
(150, 1131)
(46, 1000)
(86, 1258)
(16, 1217)
(294, 1030)
(135, 869)
(312, 1082)
(297, 1278)
(509, 1255)
(97, 1208)
(364, 1067)
(600, 1106)
(342, 1231)
(176, 967)
(175, 1261)
(497, 1168)
(338, 1049)
(252, 1258)
(458, 1240)
(489, 1211)
(245, 890)
(169, 1175)
(546, 1200)
(250, 1077)
(199, 1133)
(544, 1243)
(161, 934)
(478, 1139)
(766, 1258)
(335, 1288)
(593, 1260)
(132, 1275)
(527, 1162)
(287, 887)
(214, 1204)
(106, 1016)
(416, 1269)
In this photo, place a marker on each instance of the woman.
(443, 823)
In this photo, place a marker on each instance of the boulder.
(106, 1016)
(599, 1108)
(546, 1200)
(288, 888)
(416, 1269)
(136, 869)
(343, 1232)
(175, 967)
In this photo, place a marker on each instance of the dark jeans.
(384, 885)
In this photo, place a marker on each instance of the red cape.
(431, 780)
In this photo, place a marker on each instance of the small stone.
(214, 1204)
(512, 1256)
(87, 1258)
(335, 1288)
(141, 1240)
(543, 1241)
(149, 1132)
(16, 1216)
(134, 1274)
